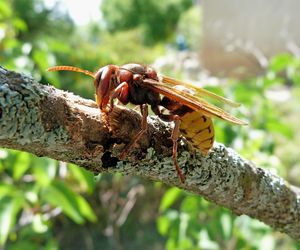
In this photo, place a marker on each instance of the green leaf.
(86, 210)
(41, 58)
(169, 198)
(185, 244)
(9, 208)
(21, 165)
(24, 244)
(163, 225)
(51, 244)
(61, 196)
(19, 24)
(5, 10)
(192, 204)
(172, 244)
(85, 178)
(44, 172)
(280, 127)
(72, 204)
(166, 221)
(6, 189)
(280, 62)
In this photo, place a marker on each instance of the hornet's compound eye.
(97, 79)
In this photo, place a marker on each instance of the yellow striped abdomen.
(198, 130)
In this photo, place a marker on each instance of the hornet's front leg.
(121, 93)
(144, 125)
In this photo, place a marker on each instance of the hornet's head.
(105, 81)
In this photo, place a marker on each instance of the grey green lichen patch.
(217, 172)
(208, 173)
(276, 200)
(21, 114)
(282, 199)
(154, 166)
(151, 166)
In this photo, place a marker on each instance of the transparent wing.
(198, 90)
(193, 102)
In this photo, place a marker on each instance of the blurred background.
(248, 51)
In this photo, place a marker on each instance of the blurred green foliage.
(46, 204)
(186, 27)
(157, 19)
(33, 190)
(218, 229)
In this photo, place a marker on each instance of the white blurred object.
(82, 12)
(278, 94)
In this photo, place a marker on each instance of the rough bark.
(49, 122)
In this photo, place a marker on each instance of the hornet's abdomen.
(198, 130)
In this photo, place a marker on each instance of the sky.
(75, 8)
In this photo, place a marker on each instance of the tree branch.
(49, 122)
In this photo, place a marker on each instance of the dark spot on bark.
(0, 112)
(108, 161)
(107, 144)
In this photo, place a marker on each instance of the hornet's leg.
(144, 125)
(174, 138)
(121, 93)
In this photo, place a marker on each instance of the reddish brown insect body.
(140, 85)
(126, 83)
